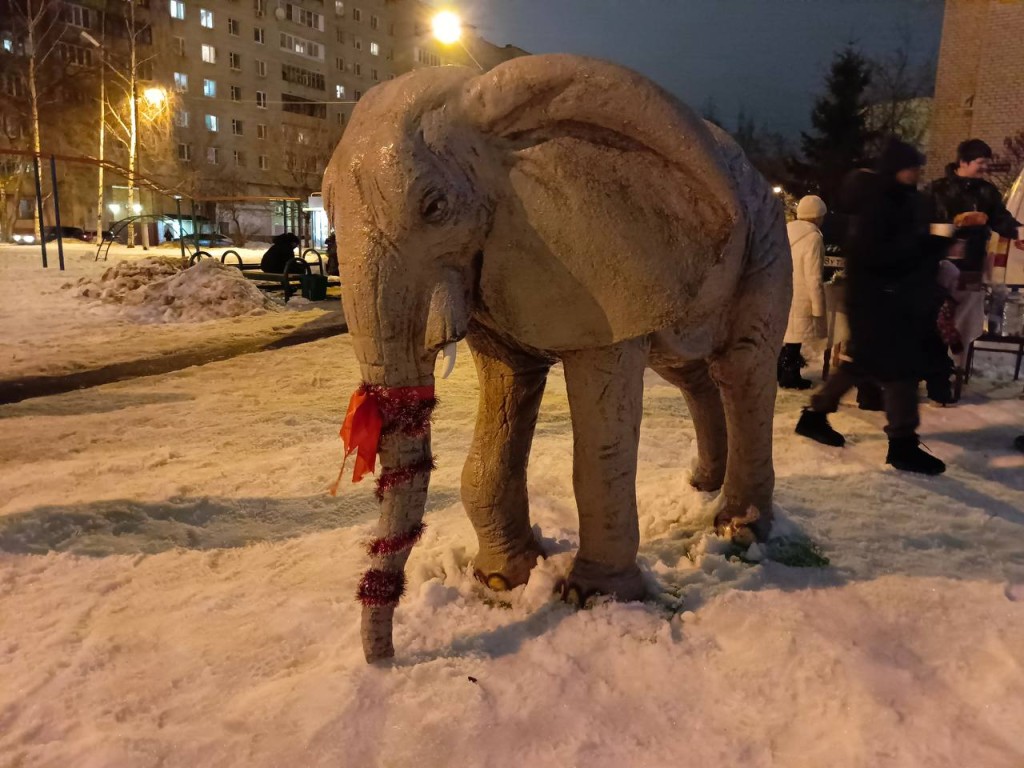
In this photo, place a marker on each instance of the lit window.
(236, 126)
(374, 49)
(180, 81)
(257, 34)
(209, 54)
(264, 163)
(211, 123)
(211, 155)
(209, 88)
(339, 91)
(206, 18)
(181, 119)
(177, 10)
(261, 99)
(339, 7)
(236, 93)
(8, 45)
(261, 130)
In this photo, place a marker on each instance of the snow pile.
(158, 290)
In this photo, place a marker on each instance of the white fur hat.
(811, 207)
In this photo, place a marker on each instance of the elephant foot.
(502, 572)
(743, 526)
(587, 580)
(707, 480)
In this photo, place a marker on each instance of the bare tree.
(898, 95)
(307, 151)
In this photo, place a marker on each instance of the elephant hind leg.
(705, 404)
(494, 477)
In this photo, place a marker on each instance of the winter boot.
(789, 368)
(906, 454)
(939, 390)
(815, 425)
(869, 397)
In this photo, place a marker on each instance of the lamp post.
(103, 128)
(447, 29)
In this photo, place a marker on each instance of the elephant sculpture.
(554, 209)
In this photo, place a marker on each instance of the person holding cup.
(965, 205)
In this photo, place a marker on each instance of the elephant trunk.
(398, 378)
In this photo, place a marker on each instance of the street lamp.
(447, 29)
(155, 96)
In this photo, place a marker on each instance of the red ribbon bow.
(364, 422)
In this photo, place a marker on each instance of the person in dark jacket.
(332, 254)
(965, 198)
(279, 254)
(891, 302)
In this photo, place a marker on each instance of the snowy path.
(176, 590)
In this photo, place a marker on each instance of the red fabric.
(364, 422)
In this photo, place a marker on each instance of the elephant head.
(450, 192)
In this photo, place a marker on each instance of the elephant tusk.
(449, 358)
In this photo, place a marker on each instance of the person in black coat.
(965, 198)
(280, 253)
(891, 301)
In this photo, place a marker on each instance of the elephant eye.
(435, 207)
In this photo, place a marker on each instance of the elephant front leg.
(494, 477)
(605, 389)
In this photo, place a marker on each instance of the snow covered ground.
(176, 586)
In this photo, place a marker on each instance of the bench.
(288, 282)
(992, 338)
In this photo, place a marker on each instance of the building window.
(209, 88)
(235, 61)
(358, 43)
(264, 163)
(76, 16)
(357, 15)
(358, 68)
(257, 35)
(305, 77)
(233, 27)
(359, 95)
(261, 130)
(177, 12)
(185, 152)
(310, 19)
(75, 54)
(211, 123)
(339, 7)
(300, 106)
(426, 57)
(236, 127)
(261, 68)
(374, 22)
(339, 63)
(339, 91)
(261, 99)
(374, 75)
(339, 36)
(181, 119)
(259, 7)
(301, 46)
(236, 93)
(206, 18)
(180, 82)
(209, 54)
(212, 155)
(239, 158)
(374, 49)
(179, 42)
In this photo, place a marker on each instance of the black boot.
(906, 454)
(789, 368)
(869, 396)
(815, 426)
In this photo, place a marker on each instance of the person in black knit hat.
(891, 296)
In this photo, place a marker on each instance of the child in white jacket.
(807, 312)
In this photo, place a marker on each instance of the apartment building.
(258, 92)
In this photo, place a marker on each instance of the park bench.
(288, 282)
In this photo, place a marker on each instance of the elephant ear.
(615, 213)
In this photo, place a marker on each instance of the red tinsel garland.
(389, 545)
(381, 588)
(391, 478)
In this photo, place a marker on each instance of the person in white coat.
(807, 312)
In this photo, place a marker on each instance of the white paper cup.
(942, 229)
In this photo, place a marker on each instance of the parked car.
(23, 237)
(68, 233)
(209, 239)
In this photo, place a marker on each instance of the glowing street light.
(115, 208)
(447, 27)
(137, 208)
(154, 96)
(777, 190)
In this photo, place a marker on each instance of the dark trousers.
(900, 398)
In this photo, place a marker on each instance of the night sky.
(768, 56)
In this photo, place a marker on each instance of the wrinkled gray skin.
(560, 208)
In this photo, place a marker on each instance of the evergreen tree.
(839, 119)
